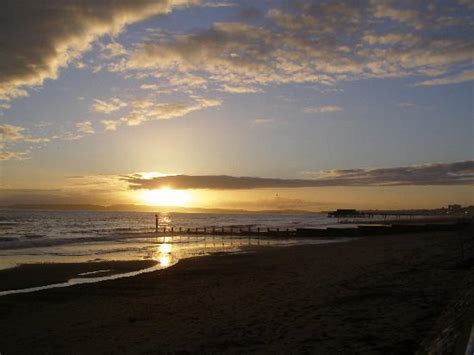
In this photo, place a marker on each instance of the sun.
(166, 197)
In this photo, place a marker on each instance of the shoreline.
(34, 277)
(369, 295)
(30, 278)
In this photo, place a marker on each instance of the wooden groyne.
(247, 231)
(359, 231)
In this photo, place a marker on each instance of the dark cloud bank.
(457, 173)
(37, 38)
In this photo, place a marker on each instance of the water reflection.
(165, 260)
(164, 254)
(168, 250)
(165, 248)
(89, 237)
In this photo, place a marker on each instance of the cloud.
(467, 3)
(149, 87)
(457, 173)
(10, 133)
(95, 182)
(10, 155)
(69, 136)
(219, 4)
(43, 124)
(236, 54)
(40, 37)
(188, 80)
(262, 121)
(82, 128)
(110, 125)
(85, 127)
(240, 89)
(390, 39)
(112, 105)
(322, 109)
(9, 91)
(316, 42)
(385, 9)
(141, 103)
(166, 111)
(79, 65)
(299, 42)
(467, 75)
(113, 49)
(12, 136)
(142, 109)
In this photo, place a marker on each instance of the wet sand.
(371, 295)
(34, 275)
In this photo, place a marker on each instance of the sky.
(237, 104)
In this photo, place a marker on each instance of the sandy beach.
(390, 294)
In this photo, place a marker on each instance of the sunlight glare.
(165, 260)
(164, 256)
(166, 197)
(165, 248)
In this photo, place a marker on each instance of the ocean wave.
(42, 242)
(7, 239)
(33, 236)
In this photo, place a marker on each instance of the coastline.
(370, 295)
(37, 275)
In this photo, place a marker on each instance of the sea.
(38, 237)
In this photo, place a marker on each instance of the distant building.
(454, 209)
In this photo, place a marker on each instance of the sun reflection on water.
(164, 256)
(165, 248)
(165, 260)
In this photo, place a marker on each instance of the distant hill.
(144, 208)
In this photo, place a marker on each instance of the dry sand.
(367, 296)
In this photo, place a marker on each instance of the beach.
(371, 295)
